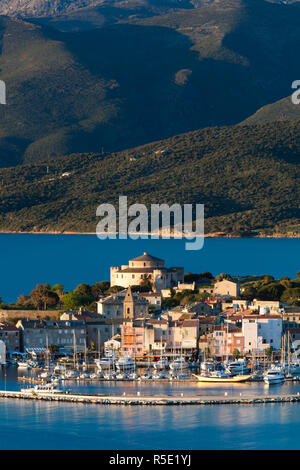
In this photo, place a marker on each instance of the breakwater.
(150, 401)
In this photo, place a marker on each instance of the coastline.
(219, 235)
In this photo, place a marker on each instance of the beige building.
(146, 267)
(123, 305)
(227, 288)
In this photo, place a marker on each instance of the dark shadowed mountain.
(139, 81)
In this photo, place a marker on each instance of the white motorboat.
(23, 365)
(179, 364)
(125, 363)
(84, 376)
(70, 374)
(182, 376)
(236, 367)
(274, 375)
(105, 363)
(292, 369)
(162, 364)
(121, 376)
(207, 366)
(134, 376)
(43, 388)
(45, 375)
(109, 376)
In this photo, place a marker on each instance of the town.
(163, 319)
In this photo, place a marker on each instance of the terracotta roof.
(7, 327)
(149, 294)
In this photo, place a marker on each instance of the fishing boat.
(274, 375)
(221, 377)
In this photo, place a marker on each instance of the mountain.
(282, 110)
(67, 15)
(248, 177)
(143, 80)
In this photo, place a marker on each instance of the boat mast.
(74, 349)
(99, 354)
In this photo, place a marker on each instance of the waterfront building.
(262, 332)
(146, 268)
(123, 304)
(132, 338)
(63, 334)
(10, 335)
(227, 340)
(183, 336)
(98, 329)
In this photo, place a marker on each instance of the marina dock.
(131, 400)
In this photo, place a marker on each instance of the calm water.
(36, 425)
(71, 259)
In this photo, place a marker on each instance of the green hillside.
(247, 177)
(282, 110)
(139, 81)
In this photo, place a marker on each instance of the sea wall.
(152, 401)
(6, 315)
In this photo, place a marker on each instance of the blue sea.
(27, 260)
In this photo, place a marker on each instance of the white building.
(2, 353)
(261, 332)
(143, 268)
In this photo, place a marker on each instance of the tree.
(272, 291)
(249, 293)
(59, 290)
(42, 296)
(268, 351)
(84, 289)
(291, 295)
(99, 288)
(72, 301)
(236, 354)
(24, 301)
(222, 276)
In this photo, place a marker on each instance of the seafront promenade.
(131, 400)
